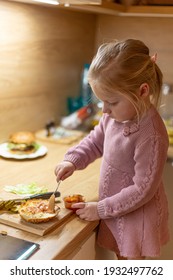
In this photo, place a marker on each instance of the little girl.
(132, 141)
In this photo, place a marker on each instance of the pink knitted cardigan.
(132, 200)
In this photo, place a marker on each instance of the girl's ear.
(144, 90)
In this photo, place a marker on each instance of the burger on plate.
(22, 142)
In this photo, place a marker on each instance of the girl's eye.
(113, 104)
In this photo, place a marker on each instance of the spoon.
(51, 204)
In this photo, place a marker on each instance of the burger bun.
(22, 142)
(36, 211)
(22, 137)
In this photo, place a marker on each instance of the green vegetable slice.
(31, 188)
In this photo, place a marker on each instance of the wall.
(42, 53)
(154, 31)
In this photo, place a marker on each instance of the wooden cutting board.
(41, 229)
(74, 136)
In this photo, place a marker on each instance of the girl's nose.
(105, 108)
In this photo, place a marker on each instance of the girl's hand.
(63, 170)
(88, 210)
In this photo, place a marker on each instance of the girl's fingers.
(65, 175)
(78, 205)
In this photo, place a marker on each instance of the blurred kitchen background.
(45, 49)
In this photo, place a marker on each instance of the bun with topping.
(37, 211)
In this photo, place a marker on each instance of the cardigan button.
(130, 129)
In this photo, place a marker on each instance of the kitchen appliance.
(13, 248)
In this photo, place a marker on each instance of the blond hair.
(123, 66)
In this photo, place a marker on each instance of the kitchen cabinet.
(109, 7)
(89, 250)
(128, 9)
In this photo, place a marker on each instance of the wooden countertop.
(61, 242)
(67, 237)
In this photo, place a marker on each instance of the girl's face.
(116, 105)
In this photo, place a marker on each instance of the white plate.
(4, 152)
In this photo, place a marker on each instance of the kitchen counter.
(67, 238)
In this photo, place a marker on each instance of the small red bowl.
(72, 199)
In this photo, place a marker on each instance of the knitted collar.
(131, 127)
